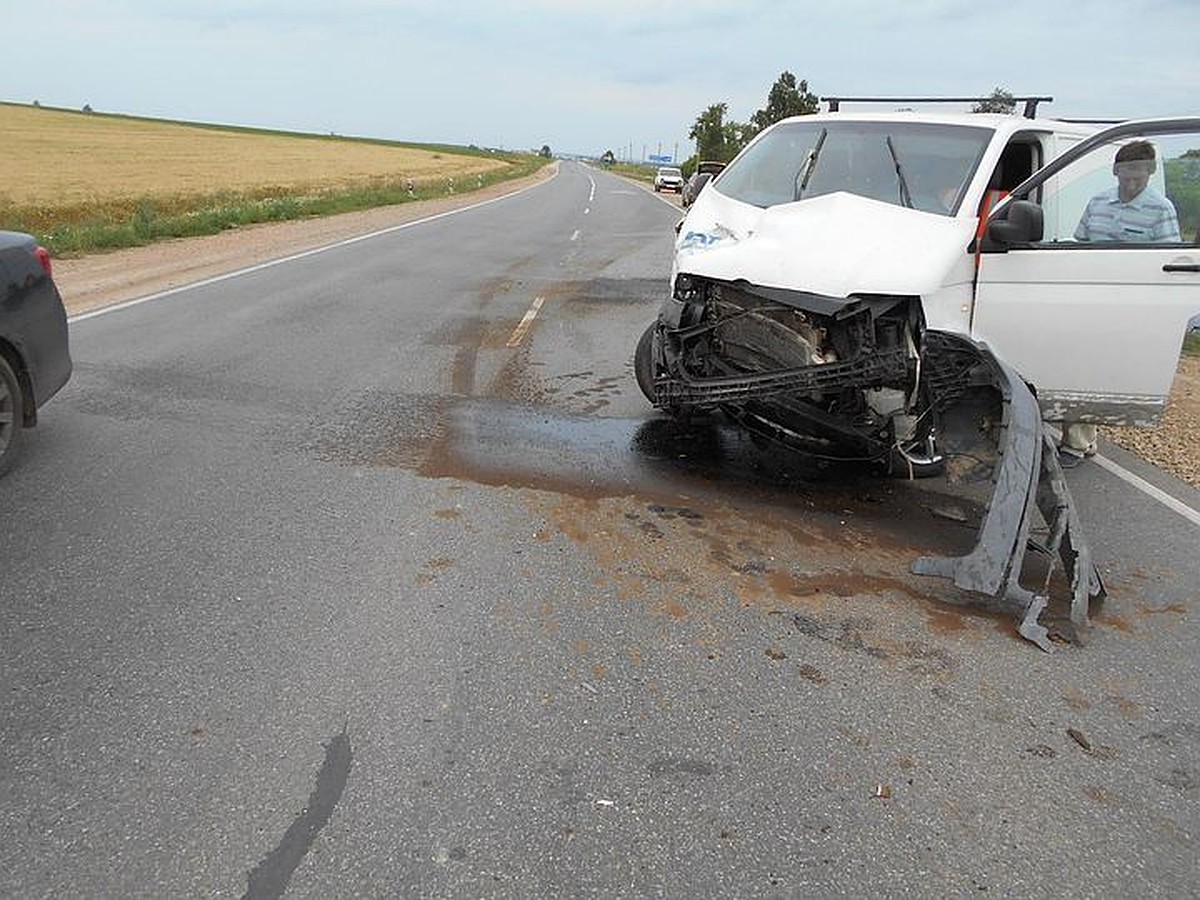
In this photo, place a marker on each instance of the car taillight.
(43, 256)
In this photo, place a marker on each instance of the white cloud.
(582, 74)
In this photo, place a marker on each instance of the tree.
(720, 140)
(999, 101)
(545, 151)
(786, 98)
(715, 138)
(608, 159)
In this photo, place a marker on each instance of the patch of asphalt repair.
(269, 879)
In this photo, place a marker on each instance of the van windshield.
(915, 164)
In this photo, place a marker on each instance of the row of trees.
(720, 140)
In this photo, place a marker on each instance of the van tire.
(643, 362)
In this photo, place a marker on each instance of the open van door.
(1094, 317)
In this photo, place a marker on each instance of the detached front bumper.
(1027, 475)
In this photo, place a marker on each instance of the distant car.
(668, 178)
(34, 357)
(695, 185)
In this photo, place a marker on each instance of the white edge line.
(1148, 489)
(258, 267)
(1140, 484)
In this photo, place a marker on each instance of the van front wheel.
(643, 362)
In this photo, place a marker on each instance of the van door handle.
(1182, 267)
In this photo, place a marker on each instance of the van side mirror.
(1021, 222)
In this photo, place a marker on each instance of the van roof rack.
(1030, 111)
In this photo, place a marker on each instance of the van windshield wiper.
(810, 164)
(905, 195)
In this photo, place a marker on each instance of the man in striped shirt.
(1132, 212)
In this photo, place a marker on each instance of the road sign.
(659, 158)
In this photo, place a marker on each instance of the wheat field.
(62, 158)
(86, 182)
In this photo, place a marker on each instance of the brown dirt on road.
(93, 282)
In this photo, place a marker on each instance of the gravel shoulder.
(1175, 445)
(93, 282)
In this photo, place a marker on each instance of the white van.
(853, 282)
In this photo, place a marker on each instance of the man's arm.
(1166, 229)
(1082, 232)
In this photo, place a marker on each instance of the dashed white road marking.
(575, 236)
(518, 334)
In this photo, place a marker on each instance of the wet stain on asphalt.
(269, 879)
(601, 294)
(856, 635)
(676, 513)
(685, 516)
(666, 766)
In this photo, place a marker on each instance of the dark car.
(34, 357)
(694, 186)
(712, 167)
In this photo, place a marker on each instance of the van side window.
(1129, 192)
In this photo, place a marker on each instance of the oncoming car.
(880, 286)
(34, 358)
(668, 178)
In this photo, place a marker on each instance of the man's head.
(1133, 167)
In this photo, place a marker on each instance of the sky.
(582, 76)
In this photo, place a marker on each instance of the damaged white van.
(894, 287)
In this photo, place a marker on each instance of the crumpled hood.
(836, 244)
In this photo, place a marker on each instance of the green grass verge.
(636, 172)
(132, 223)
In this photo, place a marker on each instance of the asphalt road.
(372, 574)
